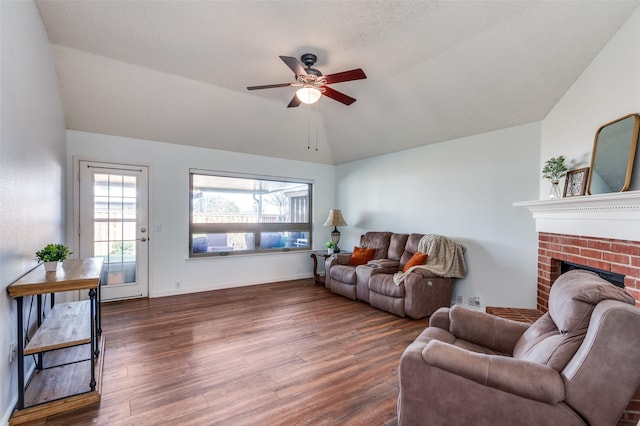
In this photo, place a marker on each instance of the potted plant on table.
(554, 169)
(331, 246)
(52, 255)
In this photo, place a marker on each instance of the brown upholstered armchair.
(576, 365)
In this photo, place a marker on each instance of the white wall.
(607, 90)
(32, 146)
(463, 189)
(169, 207)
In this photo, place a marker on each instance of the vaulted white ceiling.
(177, 71)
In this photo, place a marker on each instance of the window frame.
(255, 228)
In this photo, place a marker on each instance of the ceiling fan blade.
(338, 96)
(294, 102)
(339, 77)
(269, 86)
(296, 67)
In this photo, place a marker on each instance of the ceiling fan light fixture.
(308, 94)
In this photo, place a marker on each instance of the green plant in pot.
(554, 169)
(331, 246)
(52, 255)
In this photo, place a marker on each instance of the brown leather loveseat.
(420, 293)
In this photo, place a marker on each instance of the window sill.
(243, 255)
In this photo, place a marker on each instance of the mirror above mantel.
(614, 149)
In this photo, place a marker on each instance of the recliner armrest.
(387, 264)
(382, 266)
(425, 273)
(343, 258)
(440, 319)
(524, 378)
(495, 333)
(333, 260)
(337, 259)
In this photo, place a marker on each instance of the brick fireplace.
(598, 231)
(619, 256)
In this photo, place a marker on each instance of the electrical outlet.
(477, 301)
(471, 301)
(460, 299)
(12, 352)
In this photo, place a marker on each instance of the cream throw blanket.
(445, 258)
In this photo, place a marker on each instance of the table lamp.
(335, 219)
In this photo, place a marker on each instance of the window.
(233, 213)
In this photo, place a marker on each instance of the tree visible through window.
(239, 214)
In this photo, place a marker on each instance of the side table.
(67, 380)
(325, 254)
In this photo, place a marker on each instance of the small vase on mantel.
(554, 169)
(554, 192)
(52, 266)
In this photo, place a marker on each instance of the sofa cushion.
(540, 342)
(396, 246)
(417, 259)
(410, 248)
(379, 241)
(361, 255)
(383, 284)
(556, 336)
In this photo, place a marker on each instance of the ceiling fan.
(312, 83)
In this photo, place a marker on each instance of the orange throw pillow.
(417, 259)
(361, 256)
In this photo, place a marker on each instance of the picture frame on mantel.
(575, 182)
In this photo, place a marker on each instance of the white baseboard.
(199, 289)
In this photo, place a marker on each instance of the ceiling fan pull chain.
(308, 126)
(317, 115)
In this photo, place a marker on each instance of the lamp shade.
(335, 218)
(308, 95)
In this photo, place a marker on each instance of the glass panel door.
(113, 225)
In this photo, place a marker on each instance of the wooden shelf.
(75, 274)
(68, 324)
(66, 346)
(48, 389)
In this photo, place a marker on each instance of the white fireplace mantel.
(615, 215)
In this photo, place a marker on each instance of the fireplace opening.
(612, 277)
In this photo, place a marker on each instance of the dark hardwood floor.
(274, 354)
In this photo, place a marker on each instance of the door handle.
(143, 239)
